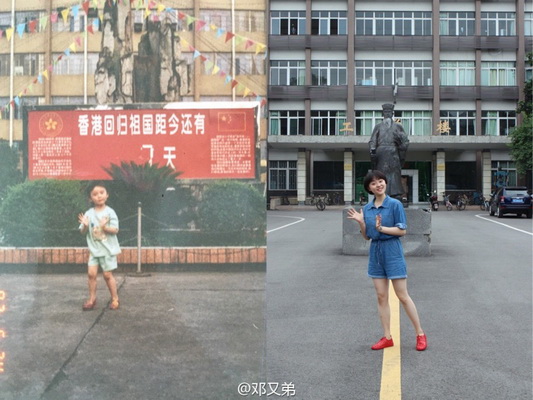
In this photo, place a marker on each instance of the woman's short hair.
(373, 176)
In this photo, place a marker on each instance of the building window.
(457, 123)
(222, 60)
(498, 73)
(385, 73)
(528, 24)
(287, 73)
(365, 122)
(388, 23)
(415, 123)
(329, 23)
(28, 64)
(287, 23)
(249, 21)
(74, 63)
(327, 123)
(5, 20)
(282, 175)
(249, 64)
(219, 18)
(497, 123)
(23, 17)
(498, 24)
(457, 23)
(503, 174)
(457, 73)
(287, 123)
(74, 23)
(328, 73)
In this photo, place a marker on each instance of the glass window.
(328, 73)
(457, 23)
(385, 73)
(74, 63)
(498, 24)
(287, 73)
(457, 73)
(498, 73)
(329, 23)
(287, 23)
(327, 123)
(365, 122)
(282, 175)
(456, 123)
(497, 123)
(405, 23)
(28, 64)
(528, 24)
(249, 21)
(287, 123)
(415, 123)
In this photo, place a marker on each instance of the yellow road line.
(391, 371)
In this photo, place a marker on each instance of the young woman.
(383, 222)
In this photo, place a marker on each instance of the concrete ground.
(184, 335)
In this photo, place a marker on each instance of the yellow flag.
(45, 74)
(9, 33)
(65, 14)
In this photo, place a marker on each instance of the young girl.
(383, 221)
(100, 225)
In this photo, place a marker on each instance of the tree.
(9, 162)
(522, 137)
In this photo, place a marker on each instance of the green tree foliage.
(9, 162)
(165, 203)
(521, 146)
(42, 213)
(232, 209)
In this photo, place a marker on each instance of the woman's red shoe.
(383, 343)
(421, 342)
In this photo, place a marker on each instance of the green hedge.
(43, 213)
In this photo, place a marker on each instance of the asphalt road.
(474, 297)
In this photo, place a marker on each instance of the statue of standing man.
(388, 147)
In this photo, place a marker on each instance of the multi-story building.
(50, 51)
(454, 70)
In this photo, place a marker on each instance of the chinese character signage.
(201, 142)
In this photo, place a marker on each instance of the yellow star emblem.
(50, 125)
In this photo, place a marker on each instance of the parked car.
(511, 200)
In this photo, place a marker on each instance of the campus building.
(455, 71)
(51, 52)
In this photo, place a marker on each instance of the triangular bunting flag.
(203, 58)
(78, 41)
(90, 28)
(72, 47)
(65, 14)
(17, 101)
(75, 10)
(238, 40)
(248, 43)
(234, 83)
(184, 43)
(40, 79)
(196, 54)
(220, 32)
(228, 79)
(160, 8)
(246, 91)
(53, 17)
(85, 6)
(20, 29)
(181, 15)
(43, 21)
(259, 47)
(216, 68)
(199, 25)
(229, 35)
(67, 52)
(9, 33)
(32, 25)
(208, 65)
(189, 20)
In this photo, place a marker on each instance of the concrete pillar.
(348, 177)
(486, 173)
(301, 176)
(440, 172)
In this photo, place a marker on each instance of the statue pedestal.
(416, 243)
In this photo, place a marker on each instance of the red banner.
(202, 143)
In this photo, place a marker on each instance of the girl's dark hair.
(92, 185)
(372, 176)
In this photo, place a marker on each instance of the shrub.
(9, 161)
(43, 213)
(233, 210)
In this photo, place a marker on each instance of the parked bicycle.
(318, 201)
(485, 204)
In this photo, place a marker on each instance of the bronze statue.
(388, 147)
